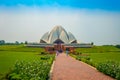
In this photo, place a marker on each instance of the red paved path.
(67, 68)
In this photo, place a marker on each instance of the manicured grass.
(101, 53)
(19, 48)
(8, 58)
(102, 57)
(9, 54)
(98, 49)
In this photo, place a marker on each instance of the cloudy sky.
(95, 21)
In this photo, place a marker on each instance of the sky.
(95, 21)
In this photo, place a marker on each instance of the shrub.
(43, 53)
(79, 58)
(77, 53)
(74, 56)
(86, 59)
(83, 57)
(14, 76)
(110, 68)
(35, 70)
(45, 58)
(2, 76)
(118, 46)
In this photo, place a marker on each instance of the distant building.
(58, 35)
(59, 39)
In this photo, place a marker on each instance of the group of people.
(67, 52)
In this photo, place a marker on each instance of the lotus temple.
(59, 39)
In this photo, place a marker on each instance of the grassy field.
(101, 53)
(9, 54)
(102, 57)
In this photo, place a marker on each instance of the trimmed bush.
(86, 59)
(110, 68)
(82, 57)
(44, 53)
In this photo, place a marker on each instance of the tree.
(92, 43)
(2, 42)
(21, 43)
(26, 42)
(16, 42)
(118, 46)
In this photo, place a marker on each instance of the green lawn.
(101, 53)
(98, 49)
(102, 57)
(9, 54)
(19, 48)
(8, 58)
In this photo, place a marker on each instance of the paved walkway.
(67, 68)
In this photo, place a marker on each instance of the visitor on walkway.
(67, 51)
(57, 52)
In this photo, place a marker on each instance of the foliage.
(92, 43)
(2, 77)
(2, 42)
(16, 42)
(26, 42)
(118, 46)
(43, 53)
(110, 68)
(81, 57)
(85, 59)
(77, 53)
(35, 70)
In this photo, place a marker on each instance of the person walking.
(57, 53)
(67, 51)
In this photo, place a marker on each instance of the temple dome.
(58, 35)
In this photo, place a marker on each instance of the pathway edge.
(51, 71)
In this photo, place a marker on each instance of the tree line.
(2, 42)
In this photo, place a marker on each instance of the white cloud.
(101, 27)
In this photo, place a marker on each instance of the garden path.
(67, 68)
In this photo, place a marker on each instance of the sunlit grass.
(9, 54)
(101, 57)
(101, 53)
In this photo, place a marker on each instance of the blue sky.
(113, 5)
(95, 21)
